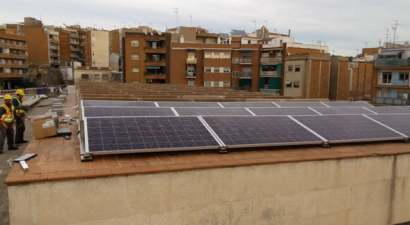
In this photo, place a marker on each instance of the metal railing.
(271, 60)
(75, 49)
(19, 54)
(267, 73)
(390, 101)
(12, 44)
(54, 47)
(74, 35)
(74, 42)
(74, 56)
(191, 60)
(393, 62)
(191, 74)
(245, 74)
(245, 60)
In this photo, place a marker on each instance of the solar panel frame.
(331, 127)
(126, 112)
(347, 104)
(189, 104)
(281, 111)
(342, 110)
(247, 104)
(391, 109)
(300, 104)
(206, 135)
(207, 111)
(240, 132)
(102, 103)
(398, 122)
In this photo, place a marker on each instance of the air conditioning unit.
(149, 80)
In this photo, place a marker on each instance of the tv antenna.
(387, 35)
(191, 19)
(395, 29)
(266, 23)
(176, 11)
(254, 21)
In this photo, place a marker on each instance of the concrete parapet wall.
(368, 190)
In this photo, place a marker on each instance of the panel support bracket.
(326, 145)
(223, 151)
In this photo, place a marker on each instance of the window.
(247, 56)
(135, 57)
(227, 70)
(288, 83)
(216, 69)
(227, 55)
(386, 78)
(207, 69)
(226, 83)
(207, 83)
(105, 77)
(235, 74)
(84, 76)
(191, 83)
(117, 77)
(290, 68)
(402, 95)
(296, 84)
(208, 55)
(265, 55)
(216, 83)
(216, 55)
(249, 41)
(297, 68)
(135, 70)
(385, 94)
(96, 76)
(191, 54)
(135, 43)
(403, 76)
(234, 87)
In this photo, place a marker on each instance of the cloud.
(344, 25)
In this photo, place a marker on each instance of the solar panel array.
(127, 127)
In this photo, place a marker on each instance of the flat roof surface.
(59, 159)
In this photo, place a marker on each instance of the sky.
(345, 26)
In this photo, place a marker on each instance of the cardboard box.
(44, 127)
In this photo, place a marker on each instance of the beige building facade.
(97, 48)
(96, 74)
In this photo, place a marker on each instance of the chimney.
(289, 33)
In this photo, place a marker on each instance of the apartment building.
(43, 44)
(146, 57)
(213, 60)
(69, 46)
(307, 76)
(13, 56)
(391, 76)
(97, 48)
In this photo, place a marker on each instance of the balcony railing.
(247, 61)
(14, 64)
(245, 74)
(191, 60)
(74, 49)
(18, 54)
(74, 56)
(74, 35)
(54, 55)
(271, 60)
(53, 41)
(74, 42)
(55, 61)
(390, 101)
(54, 47)
(191, 75)
(269, 73)
(393, 62)
(12, 44)
(235, 60)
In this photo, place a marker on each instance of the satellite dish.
(152, 34)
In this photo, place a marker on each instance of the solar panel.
(348, 104)
(346, 128)
(400, 123)
(259, 131)
(189, 104)
(334, 110)
(391, 109)
(300, 104)
(126, 112)
(212, 111)
(282, 111)
(118, 103)
(141, 134)
(248, 104)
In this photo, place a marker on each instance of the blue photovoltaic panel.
(282, 111)
(347, 127)
(147, 133)
(212, 111)
(348, 104)
(118, 103)
(188, 104)
(248, 104)
(337, 110)
(300, 104)
(390, 109)
(126, 112)
(400, 123)
(259, 130)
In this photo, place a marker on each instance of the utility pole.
(191, 19)
(176, 11)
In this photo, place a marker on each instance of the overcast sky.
(344, 25)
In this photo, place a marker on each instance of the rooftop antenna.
(366, 44)
(274, 30)
(191, 19)
(254, 21)
(380, 42)
(176, 11)
(387, 35)
(395, 28)
(266, 23)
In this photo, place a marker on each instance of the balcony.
(245, 75)
(74, 49)
(190, 60)
(54, 61)
(53, 41)
(392, 62)
(271, 60)
(269, 73)
(390, 101)
(54, 54)
(191, 75)
(13, 75)
(54, 47)
(73, 35)
(13, 46)
(17, 56)
(74, 56)
(245, 61)
(74, 42)
(149, 49)
(13, 65)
